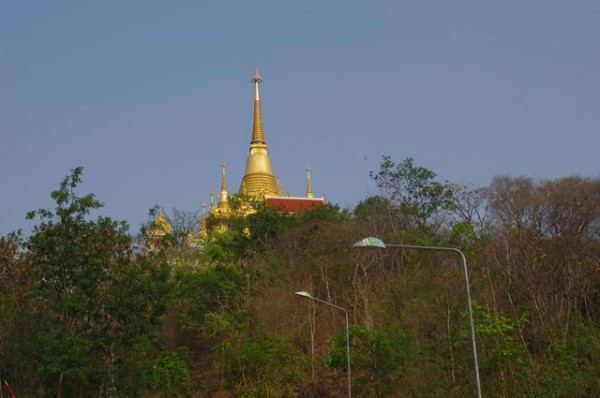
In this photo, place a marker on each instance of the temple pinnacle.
(309, 193)
(257, 131)
(256, 76)
(223, 183)
(258, 179)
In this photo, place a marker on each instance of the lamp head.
(371, 241)
(304, 294)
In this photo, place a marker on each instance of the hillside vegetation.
(86, 311)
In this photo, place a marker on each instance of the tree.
(378, 357)
(378, 214)
(97, 306)
(413, 188)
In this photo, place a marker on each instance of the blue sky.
(151, 96)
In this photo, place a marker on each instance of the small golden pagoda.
(219, 214)
(159, 228)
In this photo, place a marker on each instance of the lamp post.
(310, 296)
(378, 243)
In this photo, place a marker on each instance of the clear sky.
(151, 96)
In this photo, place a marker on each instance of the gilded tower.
(258, 183)
(258, 180)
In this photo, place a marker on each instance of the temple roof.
(290, 204)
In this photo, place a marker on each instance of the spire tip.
(256, 76)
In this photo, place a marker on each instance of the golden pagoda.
(258, 180)
(258, 184)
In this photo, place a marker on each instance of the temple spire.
(309, 193)
(223, 183)
(258, 180)
(224, 195)
(257, 131)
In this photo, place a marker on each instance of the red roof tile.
(293, 205)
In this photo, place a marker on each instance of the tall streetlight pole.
(378, 243)
(310, 296)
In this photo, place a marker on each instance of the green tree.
(266, 224)
(98, 305)
(377, 358)
(413, 188)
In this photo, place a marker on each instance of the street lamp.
(378, 243)
(310, 296)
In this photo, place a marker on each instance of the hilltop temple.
(258, 185)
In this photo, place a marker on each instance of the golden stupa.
(258, 185)
(258, 180)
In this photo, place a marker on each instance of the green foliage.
(96, 307)
(377, 358)
(266, 224)
(86, 314)
(227, 246)
(413, 188)
(462, 234)
(169, 374)
(209, 290)
(572, 367)
(269, 365)
(499, 332)
(327, 213)
(69, 207)
(376, 208)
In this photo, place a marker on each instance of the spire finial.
(223, 199)
(257, 131)
(256, 76)
(223, 183)
(309, 193)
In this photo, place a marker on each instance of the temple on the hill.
(258, 185)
